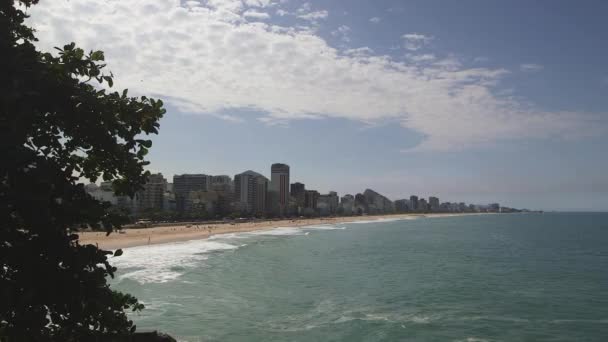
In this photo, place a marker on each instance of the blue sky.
(475, 101)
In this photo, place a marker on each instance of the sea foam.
(164, 262)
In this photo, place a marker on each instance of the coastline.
(133, 237)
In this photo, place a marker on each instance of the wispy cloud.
(415, 41)
(375, 20)
(256, 14)
(208, 58)
(531, 67)
(421, 58)
(342, 31)
(305, 12)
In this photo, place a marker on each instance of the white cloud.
(427, 57)
(209, 59)
(360, 52)
(305, 12)
(531, 67)
(375, 20)
(256, 14)
(258, 3)
(312, 16)
(415, 41)
(342, 32)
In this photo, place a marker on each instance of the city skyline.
(470, 100)
(197, 196)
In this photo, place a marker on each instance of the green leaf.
(109, 80)
(118, 253)
(97, 56)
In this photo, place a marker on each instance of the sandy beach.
(132, 237)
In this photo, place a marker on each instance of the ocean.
(504, 277)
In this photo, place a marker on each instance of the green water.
(520, 277)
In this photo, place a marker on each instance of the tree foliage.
(59, 123)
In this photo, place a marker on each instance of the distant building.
(250, 190)
(413, 202)
(328, 204)
(402, 205)
(310, 202)
(297, 192)
(186, 183)
(361, 206)
(101, 193)
(222, 182)
(169, 201)
(434, 203)
(347, 204)
(201, 204)
(152, 194)
(494, 207)
(422, 205)
(279, 189)
(260, 196)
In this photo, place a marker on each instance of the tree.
(58, 124)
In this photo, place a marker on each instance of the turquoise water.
(513, 277)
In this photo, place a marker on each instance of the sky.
(472, 100)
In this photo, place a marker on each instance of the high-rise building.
(260, 197)
(250, 190)
(434, 203)
(151, 196)
(279, 188)
(328, 204)
(310, 201)
(221, 182)
(347, 203)
(413, 202)
(297, 191)
(423, 206)
(402, 205)
(186, 183)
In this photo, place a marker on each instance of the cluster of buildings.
(251, 194)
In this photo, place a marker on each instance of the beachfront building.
(297, 192)
(279, 189)
(103, 192)
(347, 204)
(328, 204)
(402, 205)
(423, 206)
(222, 182)
(413, 203)
(186, 183)
(250, 192)
(201, 204)
(310, 202)
(152, 194)
(434, 203)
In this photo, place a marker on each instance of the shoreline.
(134, 237)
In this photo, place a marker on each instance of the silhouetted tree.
(58, 124)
